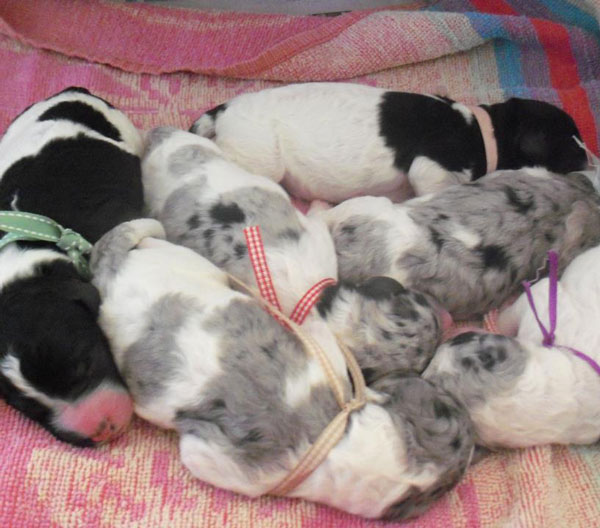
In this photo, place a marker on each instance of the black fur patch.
(80, 112)
(437, 240)
(214, 112)
(326, 299)
(194, 221)
(494, 257)
(461, 339)
(83, 183)
(381, 288)
(418, 125)
(227, 214)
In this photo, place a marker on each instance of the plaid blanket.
(166, 66)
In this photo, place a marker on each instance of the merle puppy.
(248, 400)
(520, 393)
(333, 141)
(74, 158)
(468, 246)
(204, 202)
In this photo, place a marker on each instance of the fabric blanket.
(166, 66)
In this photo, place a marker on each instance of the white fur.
(320, 140)
(18, 263)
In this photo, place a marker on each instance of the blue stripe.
(508, 54)
(572, 15)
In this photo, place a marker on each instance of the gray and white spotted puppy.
(520, 393)
(205, 201)
(248, 400)
(468, 246)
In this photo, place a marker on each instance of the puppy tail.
(205, 125)
(110, 252)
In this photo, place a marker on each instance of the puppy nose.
(101, 415)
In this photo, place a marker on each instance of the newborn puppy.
(204, 202)
(520, 393)
(75, 159)
(333, 141)
(468, 246)
(248, 400)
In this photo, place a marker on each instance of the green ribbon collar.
(33, 227)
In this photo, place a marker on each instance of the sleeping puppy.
(468, 246)
(246, 397)
(520, 393)
(333, 141)
(75, 159)
(204, 202)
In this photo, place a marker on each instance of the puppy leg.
(111, 250)
(427, 176)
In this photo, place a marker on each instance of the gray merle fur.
(482, 366)
(437, 430)
(387, 327)
(515, 216)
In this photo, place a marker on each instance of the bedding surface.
(165, 67)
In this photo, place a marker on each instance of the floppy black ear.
(381, 288)
(83, 292)
(534, 146)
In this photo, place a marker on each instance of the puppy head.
(437, 434)
(173, 158)
(389, 328)
(477, 366)
(55, 363)
(540, 134)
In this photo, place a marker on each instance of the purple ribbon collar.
(553, 311)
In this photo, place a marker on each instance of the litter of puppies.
(302, 355)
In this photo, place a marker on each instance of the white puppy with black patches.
(205, 201)
(211, 363)
(520, 393)
(333, 141)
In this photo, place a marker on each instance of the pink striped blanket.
(166, 66)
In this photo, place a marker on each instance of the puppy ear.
(83, 292)
(534, 146)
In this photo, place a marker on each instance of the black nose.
(381, 288)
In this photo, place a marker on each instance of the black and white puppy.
(248, 400)
(334, 141)
(468, 246)
(204, 202)
(74, 158)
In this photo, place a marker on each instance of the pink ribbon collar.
(489, 139)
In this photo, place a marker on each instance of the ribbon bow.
(33, 227)
(553, 311)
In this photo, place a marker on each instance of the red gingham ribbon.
(256, 252)
(309, 299)
(262, 274)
